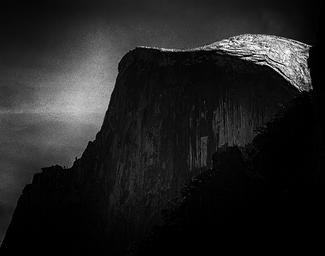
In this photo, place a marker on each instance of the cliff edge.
(169, 112)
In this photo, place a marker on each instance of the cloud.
(15, 94)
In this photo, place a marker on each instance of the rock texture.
(260, 200)
(286, 56)
(169, 112)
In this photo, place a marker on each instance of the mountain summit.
(170, 111)
(286, 56)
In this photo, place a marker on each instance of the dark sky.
(58, 64)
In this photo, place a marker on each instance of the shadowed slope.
(169, 112)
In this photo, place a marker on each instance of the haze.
(58, 65)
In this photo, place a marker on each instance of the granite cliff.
(169, 112)
(263, 199)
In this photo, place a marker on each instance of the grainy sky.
(58, 64)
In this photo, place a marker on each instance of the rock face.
(286, 56)
(169, 112)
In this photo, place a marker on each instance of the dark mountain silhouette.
(261, 200)
(170, 111)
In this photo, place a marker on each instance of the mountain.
(261, 200)
(170, 111)
(286, 56)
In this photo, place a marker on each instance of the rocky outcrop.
(286, 56)
(169, 112)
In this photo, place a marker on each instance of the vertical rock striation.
(169, 112)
